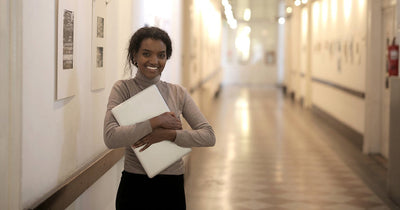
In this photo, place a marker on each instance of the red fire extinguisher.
(393, 58)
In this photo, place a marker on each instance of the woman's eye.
(162, 56)
(146, 54)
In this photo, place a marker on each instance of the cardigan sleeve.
(202, 134)
(116, 136)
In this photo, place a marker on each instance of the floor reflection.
(270, 155)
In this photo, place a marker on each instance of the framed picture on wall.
(98, 44)
(270, 57)
(66, 65)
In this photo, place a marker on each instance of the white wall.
(281, 45)
(10, 103)
(59, 137)
(4, 104)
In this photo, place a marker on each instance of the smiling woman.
(149, 49)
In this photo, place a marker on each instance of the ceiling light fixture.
(247, 14)
(289, 10)
(232, 22)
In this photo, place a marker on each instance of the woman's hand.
(156, 136)
(167, 120)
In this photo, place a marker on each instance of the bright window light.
(229, 14)
(242, 42)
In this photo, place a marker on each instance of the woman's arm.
(164, 128)
(202, 134)
(116, 136)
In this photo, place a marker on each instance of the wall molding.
(354, 136)
(62, 196)
(350, 91)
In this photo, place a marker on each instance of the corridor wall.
(10, 104)
(201, 48)
(338, 31)
(59, 137)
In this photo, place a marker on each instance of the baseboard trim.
(354, 136)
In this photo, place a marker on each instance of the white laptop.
(143, 106)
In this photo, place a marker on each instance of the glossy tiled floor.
(271, 155)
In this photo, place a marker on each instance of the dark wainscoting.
(354, 136)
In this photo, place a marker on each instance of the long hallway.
(273, 154)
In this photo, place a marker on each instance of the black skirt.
(137, 191)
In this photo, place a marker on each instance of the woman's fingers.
(145, 147)
(139, 143)
(169, 120)
(142, 142)
(172, 113)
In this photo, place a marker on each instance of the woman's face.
(151, 57)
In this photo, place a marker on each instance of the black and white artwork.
(99, 58)
(68, 39)
(66, 60)
(100, 27)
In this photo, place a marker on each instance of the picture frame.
(98, 44)
(66, 85)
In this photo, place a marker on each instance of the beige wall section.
(4, 103)
(388, 32)
(349, 111)
(10, 103)
(374, 84)
(303, 55)
(343, 51)
(201, 47)
(293, 75)
(335, 39)
(393, 181)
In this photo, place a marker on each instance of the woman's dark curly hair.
(144, 33)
